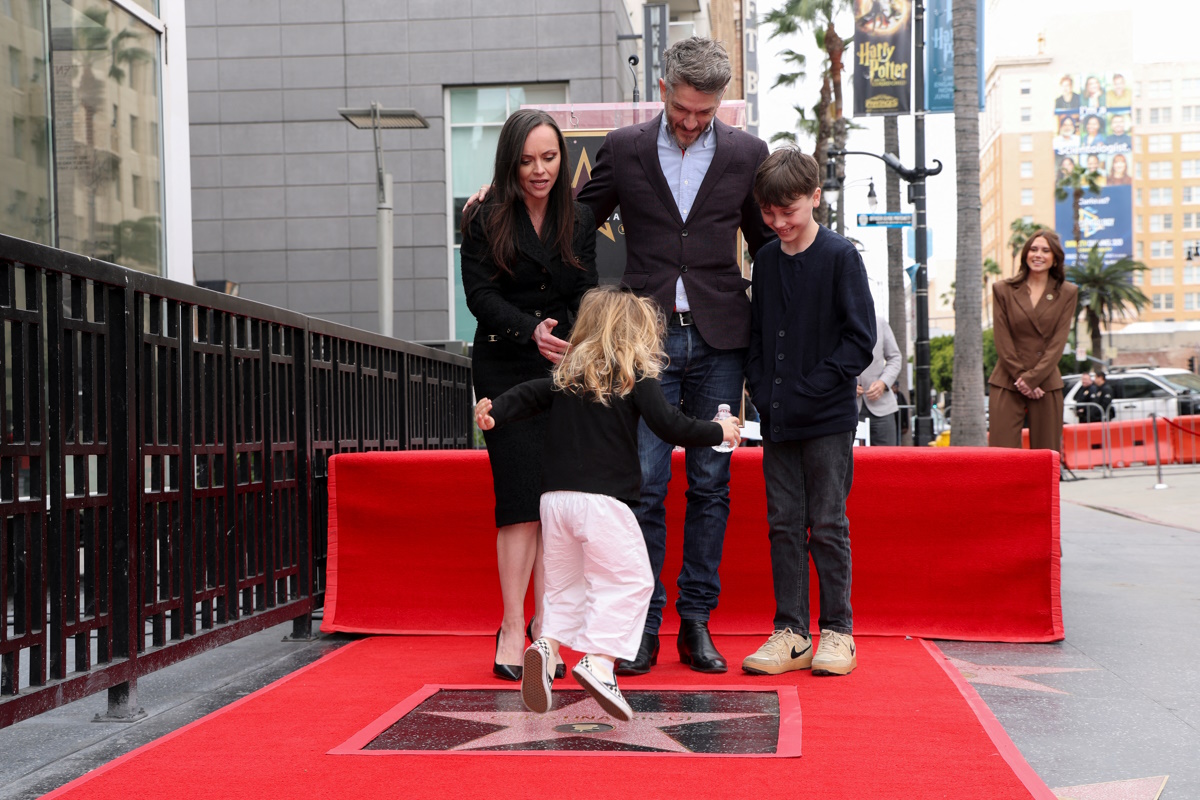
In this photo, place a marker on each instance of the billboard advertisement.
(882, 57)
(1093, 126)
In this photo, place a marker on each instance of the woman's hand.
(733, 434)
(483, 417)
(1033, 393)
(876, 390)
(550, 346)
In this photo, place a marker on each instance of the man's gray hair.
(701, 63)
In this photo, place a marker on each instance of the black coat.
(508, 307)
(660, 246)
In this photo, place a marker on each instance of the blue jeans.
(697, 379)
(807, 486)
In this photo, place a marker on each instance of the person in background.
(1033, 314)
(1120, 131)
(1119, 95)
(528, 256)
(1067, 139)
(1093, 93)
(1084, 398)
(1118, 172)
(1103, 394)
(1093, 132)
(876, 402)
(1068, 99)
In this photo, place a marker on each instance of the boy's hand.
(478, 197)
(483, 416)
(733, 434)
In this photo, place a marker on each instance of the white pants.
(598, 579)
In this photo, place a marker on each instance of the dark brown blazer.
(1030, 339)
(660, 246)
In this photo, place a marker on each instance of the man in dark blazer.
(684, 182)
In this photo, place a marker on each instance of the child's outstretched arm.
(483, 415)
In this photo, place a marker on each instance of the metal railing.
(163, 466)
(1099, 443)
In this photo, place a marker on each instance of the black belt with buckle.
(680, 318)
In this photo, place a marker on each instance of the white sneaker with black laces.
(603, 689)
(783, 652)
(836, 654)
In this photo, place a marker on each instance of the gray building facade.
(283, 189)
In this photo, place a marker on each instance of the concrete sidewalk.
(1131, 493)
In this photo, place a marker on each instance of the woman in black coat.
(528, 255)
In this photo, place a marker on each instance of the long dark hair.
(506, 197)
(1056, 249)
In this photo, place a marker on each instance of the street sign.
(886, 219)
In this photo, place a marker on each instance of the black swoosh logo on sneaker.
(802, 652)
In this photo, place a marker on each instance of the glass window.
(1191, 221)
(1191, 301)
(1160, 115)
(1160, 143)
(1189, 142)
(1139, 249)
(476, 115)
(93, 51)
(1191, 273)
(1026, 87)
(1160, 88)
(1161, 196)
(1026, 113)
(1162, 249)
(1027, 197)
(1026, 169)
(1191, 194)
(1191, 113)
(1189, 167)
(25, 177)
(1161, 302)
(1027, 143)
(1160, 170)
(1162, 276)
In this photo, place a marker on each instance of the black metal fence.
(163, 466)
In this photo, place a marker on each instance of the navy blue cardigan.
(812, 329)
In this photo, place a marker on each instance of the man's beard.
(675, 139)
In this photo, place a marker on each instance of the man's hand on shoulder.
(479, 196)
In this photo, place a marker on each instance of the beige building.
(1017, 135)
(1166, 204)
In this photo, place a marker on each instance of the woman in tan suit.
(1033, 315)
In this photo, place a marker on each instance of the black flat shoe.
(507, 672)
(696, 648)
(560, 670)
(647, 657)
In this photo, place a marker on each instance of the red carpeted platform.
(901, 726)
(953, 543)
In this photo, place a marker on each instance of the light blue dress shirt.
(685, 171)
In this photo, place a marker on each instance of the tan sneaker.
(783, 652)
(835, 654)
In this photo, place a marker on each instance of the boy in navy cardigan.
(811, 333)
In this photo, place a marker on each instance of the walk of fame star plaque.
(745, 721)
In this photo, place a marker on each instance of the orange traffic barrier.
(1132, 442)
(1083, 445)
(1184, 434)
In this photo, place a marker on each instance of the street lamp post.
(377, 118)
(915, 177)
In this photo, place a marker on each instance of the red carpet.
(898, 727)
(951, 543)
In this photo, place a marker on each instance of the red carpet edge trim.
(995, 731)
(87, 776)
(787, 744)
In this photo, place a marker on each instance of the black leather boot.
(696, 648)
(647, 657)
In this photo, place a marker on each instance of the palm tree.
(991, 271)
(1106, 291)
(1021, 231)
(970, 422)
(1073, 185)
(818, 16)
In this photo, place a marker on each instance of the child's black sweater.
(593, 448)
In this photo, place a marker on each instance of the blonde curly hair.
(616, 341)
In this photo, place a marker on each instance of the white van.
(1139, 392)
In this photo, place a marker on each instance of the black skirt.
(514, 450)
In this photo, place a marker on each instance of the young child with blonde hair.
(598, 579)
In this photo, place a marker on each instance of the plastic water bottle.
(723, 412)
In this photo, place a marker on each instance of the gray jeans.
(885, 429)
(807, 486)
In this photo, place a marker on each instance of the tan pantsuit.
(1029, 343)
